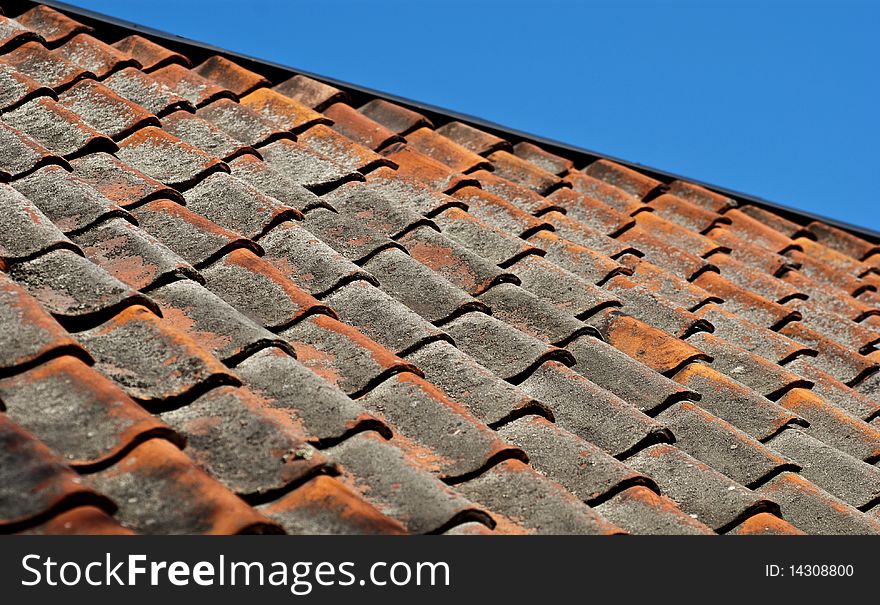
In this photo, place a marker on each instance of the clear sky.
(775, 98)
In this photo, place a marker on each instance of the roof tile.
(167, 159)
(310, 92)
(156, 473)
(701, 196)
(204, 135)
(240, 122)
(842, 241)
(74, 289)
(46, 67)
(236, 205)
(618, 373)
(13, 33)
(474, 139)
(285, 113)
(716, 500)
(148, 53)
(395, 117)
(17, 88)
(632, 182)
(53, 26)
(445, 151)
(603, 192)
(462, 378)
(833, 391)
(593, 213)
(106, 111)
(359, 128)
(230, 75)
(580, 260)
(153, 362)
(542, 158)
(581, 467)
(80, 521)
(499, 213)
(28, 334)
(196, 239)
(232, 435)
(303, 166)
(400, 488)
(323, 506)
(765, 524)
(121, 183)
(508, 166)
(343, 356)
(25, 232)
(58, 129)
(444, 436)
(322, 411)
(521, 497)
(95, 56)
(132, 256)
(848, 478)
(241, 273)
(274, 182)
(739, 405)
(347, 234)
(495, 245)
(382, 318)
(81, 415)
(351, 156)
(641, 511)
(419, 288)
(213, 323)
(685, 213)
(189, 84)
(814, 510)
(590, 412)
(416, 165)
(145, 90)
(27, 466)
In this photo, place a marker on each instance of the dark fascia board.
(278, 72)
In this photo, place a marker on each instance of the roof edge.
(433, 111)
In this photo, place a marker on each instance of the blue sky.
(773, 98)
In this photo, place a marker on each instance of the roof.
(289, 305)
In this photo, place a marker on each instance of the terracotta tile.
(241, 122)
(662, 282)
(842, 363)
(240, 273)
(744, 302)
(17, 88)
(760, 283)
(95, 56)
(509, 166)
(603, 192)
(347, 234)
(148, 53)
(25, 232)
(47, 68)
(152, 361)
(445, 151)
(83, 416)
(765, 524)
(106, 111)
(599, 216)
(132, 256)
(121, 183)
(80, 521)
(359, 128)
(301, 165)
(325, 506)
(167, 159)
(473, 139)
(754, 256)
(146, 90)
(310, 92)
(527, 500)
(53, 26)
(156, 473)
(60, 130)
(581, 234)
(834, 391)
(229, 75)
(29, 467)
(495, 245)
(842, 241)
(626, 179)
(773, 220)
(232, 435)
(592, 413)
(680, 261)
(29, 334)
(518, 195)
(701, 196)
(580, 260)
(653, 309)
(13, 34)
(684, 213)
(378, 211)
(736, 403)
(830, 257)
(321, 411)
(757, 232)
(641, 511)
(283, 112)
(815, 511)
(342, 355)
(542, 158)
(420, 167)
(205, 136)
(352, 156)
(498, 212)
(190, 85)
(212, 323)
(396, 118)
(286, 183)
